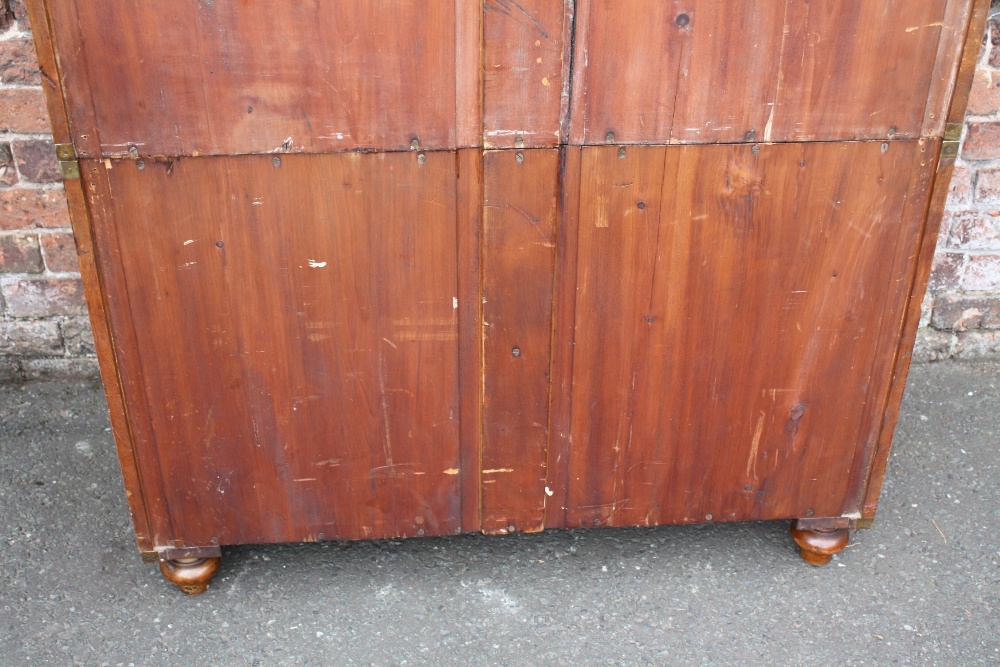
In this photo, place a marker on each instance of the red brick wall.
(44, 331)
(962, 308)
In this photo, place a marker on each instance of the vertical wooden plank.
(619, 222)
(121, 334)
(80, 219)
(468, 73)
(469, 210)
(912, 225)
(45, 50)
(959, 16)
(520, 205)
(563, 338)
(523, 56)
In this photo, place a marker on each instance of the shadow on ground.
(921, 587)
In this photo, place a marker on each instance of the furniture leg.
(192, 575)
(817, 542)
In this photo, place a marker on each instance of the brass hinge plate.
(953, 132)
(69, 165)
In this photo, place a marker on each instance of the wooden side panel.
(703, 71)
(523, 53)
(924, 262)
(297, 356)
(104, 344)
(231, 78)
(728, 312)
(520, 207)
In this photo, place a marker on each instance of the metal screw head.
(885, 148)
(519, 157)
(610, 137)
(421, 158)
(133, 151)
(708, 517)
(516, 352)
(518, 142)
(420, 532)
(641, 205)
(140, 165)
(511, 529)
(750, 136)
(683, 20)
(276, 161)
(756, 149)
(414, 144)
(622, 152)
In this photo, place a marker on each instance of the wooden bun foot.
(817, 545)
(192, 575)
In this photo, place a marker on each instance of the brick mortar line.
(11, 278)
(40, 231)
(32, 185)
(6, 137)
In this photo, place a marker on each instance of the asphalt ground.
(922, 587)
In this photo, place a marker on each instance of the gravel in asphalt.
(920, 588)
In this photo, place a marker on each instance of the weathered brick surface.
(22, 208)
(18, 64)
(8, 172)
(60, 369)
(77, 337)
(960, 312)
(20, 253)
(44, 297)
(30, 339)
(36, 161)
(982, 142)
(60, 252)
(23, 110)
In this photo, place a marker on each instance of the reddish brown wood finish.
(317, 347)
(94, 288)
(191, 575)
(818, 545)
(961, 86)
(297, 364)
(224, 77)
(524, 61)
(520, 207)
(704, 71)
(469, 208)
(728, 314)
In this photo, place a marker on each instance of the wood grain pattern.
(298, 364)
(727, 316)
(469, 178)
(94, 287)
(702, 71)
(524, 61)
(520, 206)
(230, 78)
(903, 353)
